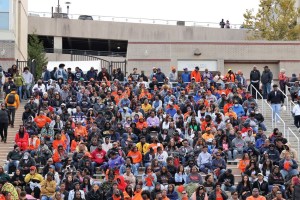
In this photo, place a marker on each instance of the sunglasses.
(183, 193)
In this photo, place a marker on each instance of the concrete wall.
(234, 54)
(128, 31)
(67, 57)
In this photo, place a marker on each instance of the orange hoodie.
(81, 131)
(136, 156)
(137, 196)
(41, 120)
(196, 75)
(140, 125)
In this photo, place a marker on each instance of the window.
(4, 14)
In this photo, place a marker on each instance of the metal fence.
(86, 52)
(109, 65)
(31, 64)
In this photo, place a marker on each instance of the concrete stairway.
(6, 147)
(287, 119)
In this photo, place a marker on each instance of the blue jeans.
(27, 91)
(46, 198)
(266, 90)
(276, 110)
(11, 163)
(20, 92)
(292, 172)
(205, 168)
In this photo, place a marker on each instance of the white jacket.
(296, 110)
(28, 77)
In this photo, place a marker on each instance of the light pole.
(58, 6)
(68, 3)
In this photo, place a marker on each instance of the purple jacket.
(116, 163)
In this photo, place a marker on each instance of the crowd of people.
(97, 135)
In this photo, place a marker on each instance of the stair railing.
(282, 121)
(257, 93)
(297, 138)
(287, 101)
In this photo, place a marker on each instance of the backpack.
(11, 99)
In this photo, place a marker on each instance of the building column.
(57, 44)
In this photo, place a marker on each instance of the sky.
(188, 10)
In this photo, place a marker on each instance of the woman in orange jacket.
(59, 141)
(244, 162)
(136, 156)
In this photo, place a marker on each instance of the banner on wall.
(211, 65)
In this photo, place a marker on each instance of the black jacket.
(276, 99)
(98, 195)
(266, 77)
(4, 116)
(254, 75)
(263, 187)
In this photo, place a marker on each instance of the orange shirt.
(141, 125)
(154, 146)
(206, 136)
(257, 198)
(227, 106)
(196, 75)
(219, 195)
(243, 164)
(56, 143)
(41, 120)
(74, 145)
(81, 131)
(136, 156)
(231, 113)
(137, 196)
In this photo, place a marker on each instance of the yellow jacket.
(143, 149)
(16, 104)
(35, 176)
(48, 188)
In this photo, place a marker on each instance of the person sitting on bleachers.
(33, 182)
(288, 166)
(13, 158)
(204, 161)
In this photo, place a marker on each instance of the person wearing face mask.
(4, 121)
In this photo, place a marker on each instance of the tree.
(36, 52)
(275, 20)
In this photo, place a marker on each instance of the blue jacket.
(239, 110)
(173, 195)
(259, 142)
(91, 74)
(47, 76)
(115, 163)
(186, 77)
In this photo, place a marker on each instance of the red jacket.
(23, 139)
(98, 156)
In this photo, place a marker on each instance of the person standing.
(255, 79)
(227, 25)
(222, 23)
(266, 80)
(296, 113)
(173, 75)
(28, 78)
(12, 101)
(19, 81)
(196, 74)
(276, 98)
(4, 120)
(282, 80)
(45, 74)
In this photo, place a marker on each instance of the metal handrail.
(297, 138)
(262, 99)
(273, 120)
(278, 117)
(139, 20)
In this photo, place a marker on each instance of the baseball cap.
(32, 168)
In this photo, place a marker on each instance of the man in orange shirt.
(41, 120)
(196, 74)
(255, 195)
